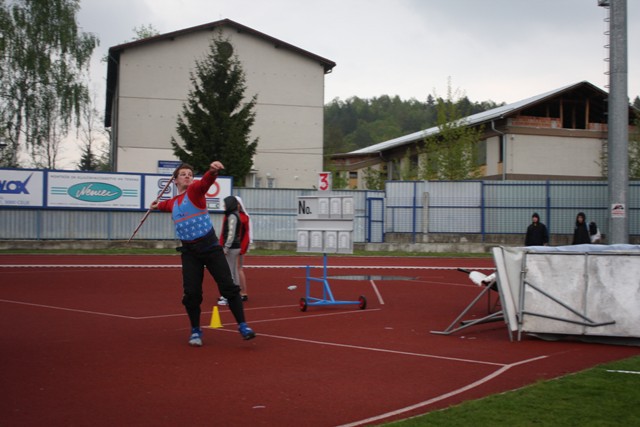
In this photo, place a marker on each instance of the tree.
(358, 123)
(634, 146)
(450, 154)
(145, 31)
(374, 178)
(44, 59)
(94, 141)
(216, 120)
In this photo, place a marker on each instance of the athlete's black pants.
(193, 264)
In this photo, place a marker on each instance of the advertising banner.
(21, 188)
(93, 190)
(153, 185)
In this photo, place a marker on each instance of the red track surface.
(82, 344)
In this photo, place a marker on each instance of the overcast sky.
(500, 50)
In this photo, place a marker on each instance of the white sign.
(324, 181)
(618, 210)
(325, 224)
(168, 166)
(153, 185)
(324, 207)
(21, 188)
(93, 190)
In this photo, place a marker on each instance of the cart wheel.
(303, 304)
(363, 302)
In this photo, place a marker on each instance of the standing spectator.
(581, 231)
(537, 234)
(247, 239)
(594, 233)
(230, 239)
(200, 248)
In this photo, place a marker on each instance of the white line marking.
(624, 372)
(375, 289)
(474, 384)
(67, 309)
(338, 267)
(306, 316)
(88, 266)
(381, 350)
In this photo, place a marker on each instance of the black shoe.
(245, 297)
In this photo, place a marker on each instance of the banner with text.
(153, 185)
(21, 188)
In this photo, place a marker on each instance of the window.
(481, 152)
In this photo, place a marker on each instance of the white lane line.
(623, 372)
(338, 267)
(375, 289)
(305, 316)
(379, 350)
(160, 316)
(68, 309)
(468, 387)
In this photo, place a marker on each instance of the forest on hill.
(357, 123)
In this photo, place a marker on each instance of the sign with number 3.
(324, 181)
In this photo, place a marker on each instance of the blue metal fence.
(500, 207)
(413, 207)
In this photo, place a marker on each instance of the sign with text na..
(325, 224)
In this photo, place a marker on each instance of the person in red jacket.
(235, 240)
(247, 239)
(200, 248)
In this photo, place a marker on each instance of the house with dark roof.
(557, 135)
(148, 82)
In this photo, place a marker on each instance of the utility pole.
(618, 122)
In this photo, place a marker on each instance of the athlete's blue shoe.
(196, 337)
(246, 332)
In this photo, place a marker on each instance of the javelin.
(144, 218)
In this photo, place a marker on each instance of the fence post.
(482, 211)
(425, 214)
(548, 207)
(414, 207)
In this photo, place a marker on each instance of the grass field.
(606, 395)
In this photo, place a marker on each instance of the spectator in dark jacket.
(581, 231)
(537, 234)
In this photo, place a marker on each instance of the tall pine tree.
(216, 120)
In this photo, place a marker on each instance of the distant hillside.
(356, 123)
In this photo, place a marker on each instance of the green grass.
(593, 397)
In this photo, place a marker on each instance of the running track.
(101, 341)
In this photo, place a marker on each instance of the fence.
(414, 208)
(500, 207)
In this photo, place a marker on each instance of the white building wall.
(154, 84)
(493, 155)
(540, 155)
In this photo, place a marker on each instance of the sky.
(498, 50)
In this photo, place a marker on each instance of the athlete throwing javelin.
(200, 248)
